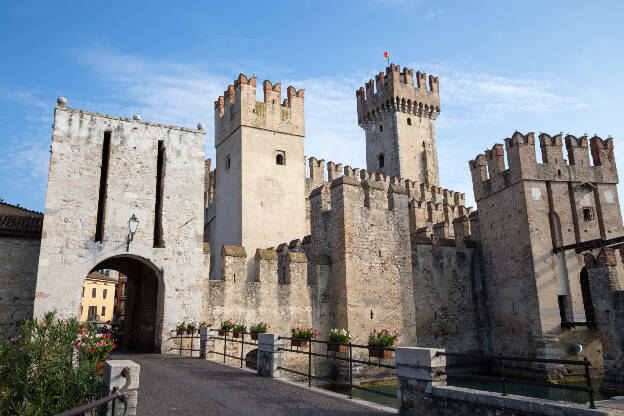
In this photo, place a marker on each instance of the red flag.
(386, 55)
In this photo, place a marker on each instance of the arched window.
(279, 159)
(380, 161)
(409, 121)
(380, 127)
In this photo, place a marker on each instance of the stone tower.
(398, 119)
(260, 164)
(525, 212)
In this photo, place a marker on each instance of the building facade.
(98, 298)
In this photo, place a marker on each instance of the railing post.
(590, 389)
(350, 371)
(242, 348)
(501, 367)
(114, 380)
(418, 370)
(270, 355)
(225, 344)
(207, 343)
(310, 363)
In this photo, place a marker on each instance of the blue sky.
(552, 67)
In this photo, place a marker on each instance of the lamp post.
(133, 224)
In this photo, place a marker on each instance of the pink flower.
(91, 350)
(12, 339)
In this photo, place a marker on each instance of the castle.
(262, 238)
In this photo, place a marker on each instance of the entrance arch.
(141, 328)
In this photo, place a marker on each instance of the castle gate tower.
(106, 174)
(398, 119)
(526, 212)
(260, 169)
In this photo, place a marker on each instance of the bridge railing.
(238, 338)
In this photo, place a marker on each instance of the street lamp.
(133, 224)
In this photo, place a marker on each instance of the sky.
(541, 66)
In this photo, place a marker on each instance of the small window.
(588, 213)
(280, 157)
(409, 121)
(380, 161)
(104, 292)
(227, 162)
(380, 127)
(83, 288)
(103, 310)
(93, 292)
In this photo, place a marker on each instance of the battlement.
(489, 174)
(395, 91)
(238, 107)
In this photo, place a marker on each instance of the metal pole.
(350, 371)
(224, 345)
(502, 373)
(590, 389)
(242, 345)
(310, 363)
(192, 342)
(180, 343)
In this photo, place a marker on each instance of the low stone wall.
(422, 390)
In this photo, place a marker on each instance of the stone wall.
(68, 247)
(18, 277)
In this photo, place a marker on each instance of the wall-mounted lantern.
(133, 224)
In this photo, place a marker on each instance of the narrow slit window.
(227, 162)
(280, 157)
(101, 210)
(380, 128)
(409, 121)
(380, 161)
(160, 164)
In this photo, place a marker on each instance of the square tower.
(260, 169)
(526, 212)
(398, 119)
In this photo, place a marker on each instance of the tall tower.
(260, 165)
(398, 119)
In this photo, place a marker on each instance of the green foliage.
(191, 326)
(337, 335)
(382, 339)
(304, 333)
(240, 328)
(36, 372)
(181, 326)
(260, 328)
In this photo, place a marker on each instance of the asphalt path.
(175, 385)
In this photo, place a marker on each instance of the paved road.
(173, 385)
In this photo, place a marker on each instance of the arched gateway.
(126, 195)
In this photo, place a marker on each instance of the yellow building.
(98, 298)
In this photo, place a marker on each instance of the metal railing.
(116, 394)
(334, 356)
(500, 359)
(192, 336)
(223, 336)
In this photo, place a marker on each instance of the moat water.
(512, 388)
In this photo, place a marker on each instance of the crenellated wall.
(526, 210)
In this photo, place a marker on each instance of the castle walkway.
(174, 385)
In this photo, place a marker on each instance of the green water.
(512, 388)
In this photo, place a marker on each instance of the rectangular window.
(103, 310)
(83, 288)
(93, 292)
(158, 237)
(92, 313)
(101, 210)
(104, 293)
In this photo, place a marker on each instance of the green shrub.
(36, 372)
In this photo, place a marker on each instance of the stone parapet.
(113, 379)
(270, 358)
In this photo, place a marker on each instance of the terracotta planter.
(379, 353)
(337, 347)
(299, 342)
(223, 333)
(179, 332)
(237, 334)
(254, 336)
(190, 331)
(99, 368)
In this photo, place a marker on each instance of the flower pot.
(337, 347)
(179, 332)
(237, 334)
(254, 336)
(299, 342)
(99, 367)
(190, 331)
(379, 353)
(223, 333)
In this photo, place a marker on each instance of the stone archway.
(142, 326)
